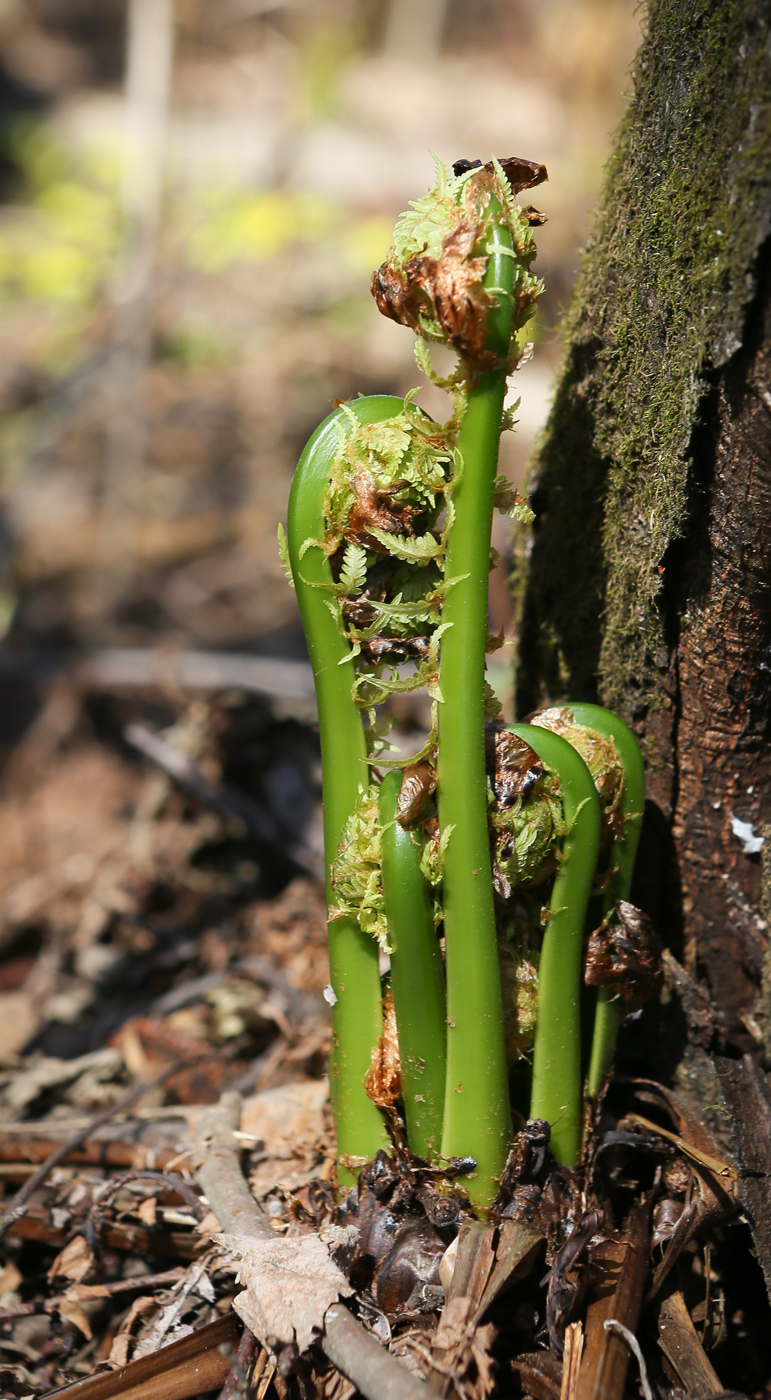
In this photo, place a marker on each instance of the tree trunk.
(648, 581)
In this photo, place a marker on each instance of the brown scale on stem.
(418, 784)
(624, 953)
(395, 649)
(515, 767)
(383, 1082)
(450, 287)
(374, 507)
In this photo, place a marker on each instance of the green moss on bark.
(659, 304)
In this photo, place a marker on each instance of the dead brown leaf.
(10, 1278)
(289, 1285)
(18, 1021)
(71, 1309)
(74, 1262)
(147, 1211)
(288, 1114)
(123, 1342)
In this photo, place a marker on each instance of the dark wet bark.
(648, 585)
(713, 742)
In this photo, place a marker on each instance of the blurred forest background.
(186, 242)
(193, 198)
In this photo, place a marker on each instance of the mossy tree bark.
(648, 583)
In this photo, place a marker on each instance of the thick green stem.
(417, 977)
(477, 1115)
(556, 1088)
(353, 955)
(608, 1011)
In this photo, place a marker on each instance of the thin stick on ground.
(121, 1285)
(237, 1383)
(354, 1351)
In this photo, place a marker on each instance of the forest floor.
(163, 960)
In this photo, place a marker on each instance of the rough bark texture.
(648, 582)
(746, 1093)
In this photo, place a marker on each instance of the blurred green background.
(194, 195)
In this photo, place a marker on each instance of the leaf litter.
(177, 961)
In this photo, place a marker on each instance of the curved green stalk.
(608, 1011)
(477, 1114)
(357, 1020)
(556, 1088)
(417, 976)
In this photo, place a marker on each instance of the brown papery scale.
(374, 508)
(450, 287)
(418, 783)
(521, 174)
(359, 611)
(515, 767)
(395, 649)
(412, 1263)
(383, 1081)
(624, 953)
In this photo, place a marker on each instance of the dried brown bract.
(418, 783)
(521, 174)
(395, 649)
(624, 953)
(516, 767)
(411, 1265)
(442, 1210)
(384, 1077)
(567, 1278)
(374, 507)
(449, 287)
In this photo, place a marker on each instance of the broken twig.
(680, 1343)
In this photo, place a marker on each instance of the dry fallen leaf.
(147, 1212)
(123, 1342)
(18, 1021)
(71, 1308)
(290, 1283)
(74, 1262)
(209, 1225)
(288, 1114)
(10, 1278)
